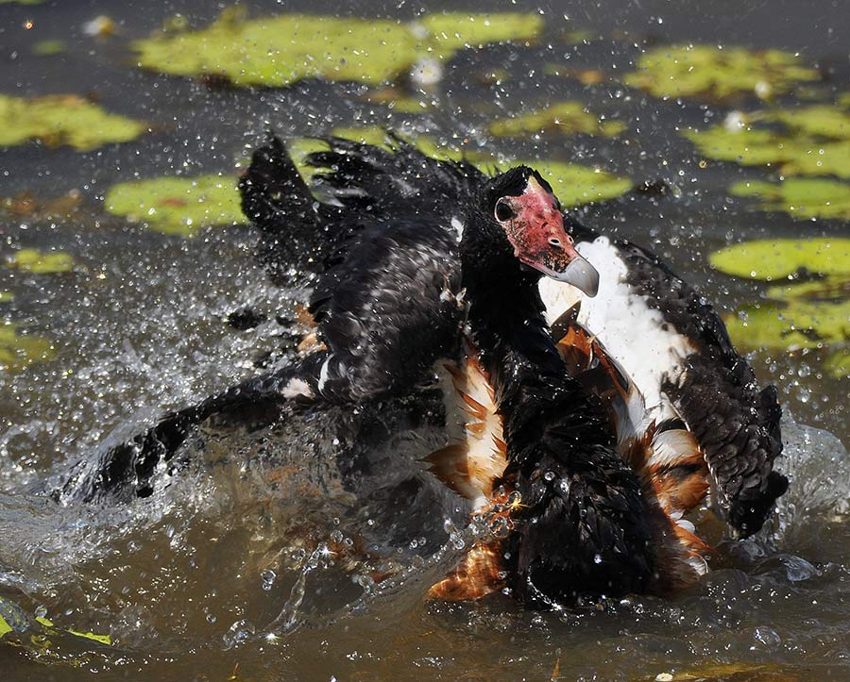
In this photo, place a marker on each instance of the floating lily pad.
(685, 70)
(447, 32)
(41, 263)
(816, 141)
(49, 48)
(838, 364)
(808, 314)
(822, 120)
(790, 326)
(181, 206)
(6, 297)
(769, 259)
(755, 147)
(801, 197)
(19, 350)
(281, 50)
(834, 288)
(62, 120)
(575, 185)
(566, 118)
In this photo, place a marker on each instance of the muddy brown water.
(244, 567)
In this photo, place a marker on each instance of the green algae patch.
(770, 259)
(575, 184)
(49, 48)
(567, 118)
(822, 120)
(448, 32)
(837, 364)
(834, 288)
(795, 155)
(810, 309)
(803, 198)
(719, 73)
(40, 262)
(812, 140)
(20, 350)
(63, 120)
(279, 51)
(179, 206)
(790, 326)
(6, 297)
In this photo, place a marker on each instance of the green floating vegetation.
(686, 70)
(802, 314)
(20, 350)
(575, 185)
(823, 120)
(62, 120)
(33, 631)
(769, 259)
(567, 118)
(21, 2)
(837, 364)
(281, 50)
(833, 288)
(49, 48)
(790, 326)
(798, 155)
(180, 206)
(813, 140)
(6, 297)
(40, 262)
(803, 198)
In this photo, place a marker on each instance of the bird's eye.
(504, 212)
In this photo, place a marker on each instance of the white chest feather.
(633, 333)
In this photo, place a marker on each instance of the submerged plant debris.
(27, 205)
(567, 118)
(19, 350)
(717, 72)
(803, 198)
(281, 50)
(176, 205)
(40, 262)
(59, 120)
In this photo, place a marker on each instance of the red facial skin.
(536, 230)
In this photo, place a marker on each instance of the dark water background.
(190, 582)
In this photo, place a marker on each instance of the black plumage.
(735, 422)
(584, 524)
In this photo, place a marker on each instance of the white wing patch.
(458, 226)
